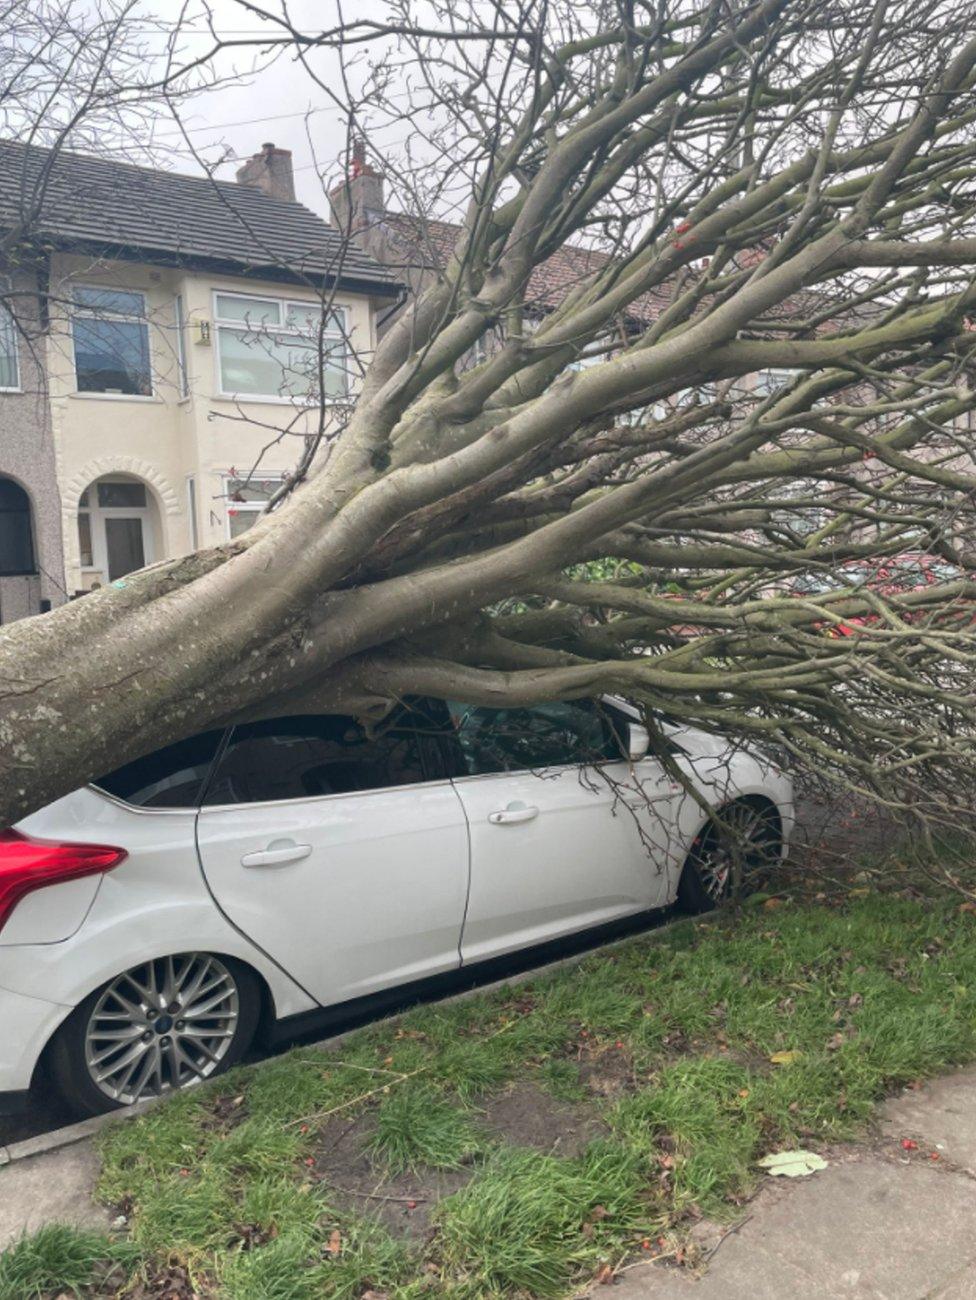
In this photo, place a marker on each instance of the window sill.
(115, 397)
(11, 390)
(251, 399)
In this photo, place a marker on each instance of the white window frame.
(8, 323)
(191, 502)
(93, 313)
(223, 323)
(182, 373)
(97, 515)
(245, 507)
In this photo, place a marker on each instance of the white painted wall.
(168, 438)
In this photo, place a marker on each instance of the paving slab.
(941, 1115)
(863, 1229)
(51, 1188)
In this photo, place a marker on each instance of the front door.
(561, 838)
(343, 856)
(124, 545)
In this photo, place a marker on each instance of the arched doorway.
(16, 531)
(118, 527)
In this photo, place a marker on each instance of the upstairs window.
(273, 348)
(111, 342)
(16, 540)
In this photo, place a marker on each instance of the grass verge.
(684, 1055)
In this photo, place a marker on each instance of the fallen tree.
(603, 499)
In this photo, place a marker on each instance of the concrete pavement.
(880, 1223)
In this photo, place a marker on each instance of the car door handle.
(276, 855)
(515, 812)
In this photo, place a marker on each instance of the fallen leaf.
(967, 907)
(334, 1246)
(786, 1058)
(858, 893)
(792, 1164)
(604, 1275)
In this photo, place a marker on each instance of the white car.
(257, 878)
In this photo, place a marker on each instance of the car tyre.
(169, 1053)
(752, 830)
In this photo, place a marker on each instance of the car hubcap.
(743, 843)
(161, 1026)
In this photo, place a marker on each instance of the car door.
(561, 837)
(344, 856)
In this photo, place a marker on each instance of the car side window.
(303, 757)
(172, 777)
(546, 735)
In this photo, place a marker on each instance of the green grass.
(666, 1039)
(517, 1229)
(415, 1126)
(60, 1259)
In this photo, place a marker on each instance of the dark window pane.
(125, 495)
(549, 735)
(304, 757)
(168, 778)
(85, 540)
(16, 542)
(111, 356)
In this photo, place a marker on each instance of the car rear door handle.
(515, 812)
(277, 855)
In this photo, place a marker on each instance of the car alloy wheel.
(161, 1026)
(744, 842)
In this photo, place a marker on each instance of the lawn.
(525, 1141)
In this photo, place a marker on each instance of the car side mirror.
(638, 742)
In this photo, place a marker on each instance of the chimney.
(358, 201)
(270, 171)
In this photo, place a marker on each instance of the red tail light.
(27, 864)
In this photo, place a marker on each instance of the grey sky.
(280, 103)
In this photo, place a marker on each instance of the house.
(418, 248)
(31, 556)
(182, 322)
